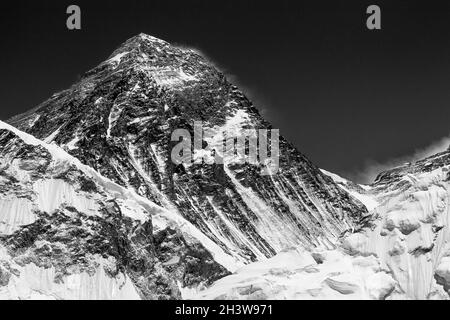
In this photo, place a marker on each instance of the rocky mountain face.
(66, 232)
(93, 206)
(119, 119)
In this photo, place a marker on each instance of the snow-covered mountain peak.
(169, 66)
(145, 37)
(91, 195)
(119, 120)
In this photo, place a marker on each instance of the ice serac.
(119, 119)
(409, 229)
(299, 274)
(66, 232)
(400, 249)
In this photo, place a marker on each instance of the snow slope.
(297, 274)
(410, 233)
(119, 119)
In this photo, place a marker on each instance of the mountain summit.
(119, 119)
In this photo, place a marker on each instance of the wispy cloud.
(258, 98)
(371, 168)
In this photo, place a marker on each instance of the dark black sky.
(343, 94)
